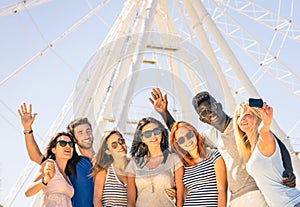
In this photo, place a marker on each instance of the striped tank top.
(200, 181)
(114, 192)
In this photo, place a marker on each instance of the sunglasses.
(120, 141)
(63, 143)
(189, 136)
(148, 133)
(211, 108)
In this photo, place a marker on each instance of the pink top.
(58, 192)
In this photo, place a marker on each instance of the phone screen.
(256, 102)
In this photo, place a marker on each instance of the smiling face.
(212, 113)
(84, 136)
(245, 119)
(151, 136)
(186, 139)
(62, 151)
(116, 146)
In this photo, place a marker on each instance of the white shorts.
(251, 199)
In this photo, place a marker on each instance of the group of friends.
(170, 167)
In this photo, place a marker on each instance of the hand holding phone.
(256, 102)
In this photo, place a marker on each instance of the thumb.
(33, 117)
(166, 98)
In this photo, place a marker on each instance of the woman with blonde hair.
(204, 168)
(261, 153)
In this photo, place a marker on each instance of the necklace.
(152, 164)
(151, 180)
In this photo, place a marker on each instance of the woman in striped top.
(109, 163)
(204, 169)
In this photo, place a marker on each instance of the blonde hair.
(241, 139)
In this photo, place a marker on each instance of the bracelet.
(28, 131)
(44, 181)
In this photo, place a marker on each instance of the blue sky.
(48, 81)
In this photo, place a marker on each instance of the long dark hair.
(71, 164)
(102, 160)
(139, 150)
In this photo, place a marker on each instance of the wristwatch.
(28, 131)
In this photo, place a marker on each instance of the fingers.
(156, 93)
(166, 98)
(150, 99)
(30, 108)
(289, 179)
(153, 95)
(23, 110)
(159, 92)
(34, 115)
(268, 110)
(24, 107)
(19, 112)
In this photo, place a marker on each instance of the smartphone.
(256, 102)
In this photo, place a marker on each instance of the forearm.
(179, 197)
(222, 198)
(131, 191)
(286, 158)
(33, 150)
(168, 119)
(130, 202)
(97, 203)
(34, 188)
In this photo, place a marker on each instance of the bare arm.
(131, 190)
(27, 120)
(221, 178)
(44, 174)
(179, 186)
(160, 104)
(266, 143)
(98, 187)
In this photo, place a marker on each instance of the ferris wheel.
(234, 49)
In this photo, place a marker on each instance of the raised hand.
(27, 118)
(159, 102)
(266, 113)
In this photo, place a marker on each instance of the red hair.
(184, 155)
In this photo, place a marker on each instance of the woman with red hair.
(204, 168)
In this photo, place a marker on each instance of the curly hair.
(139, 150)
(184, 155)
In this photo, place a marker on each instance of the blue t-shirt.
(83, 184)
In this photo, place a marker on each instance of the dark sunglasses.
(120, 141)
(63, 143)
(148, 133)
(211, 108)
(189, 136)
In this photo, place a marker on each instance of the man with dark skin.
(244, 191)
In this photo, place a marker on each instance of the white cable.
(39, 54)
